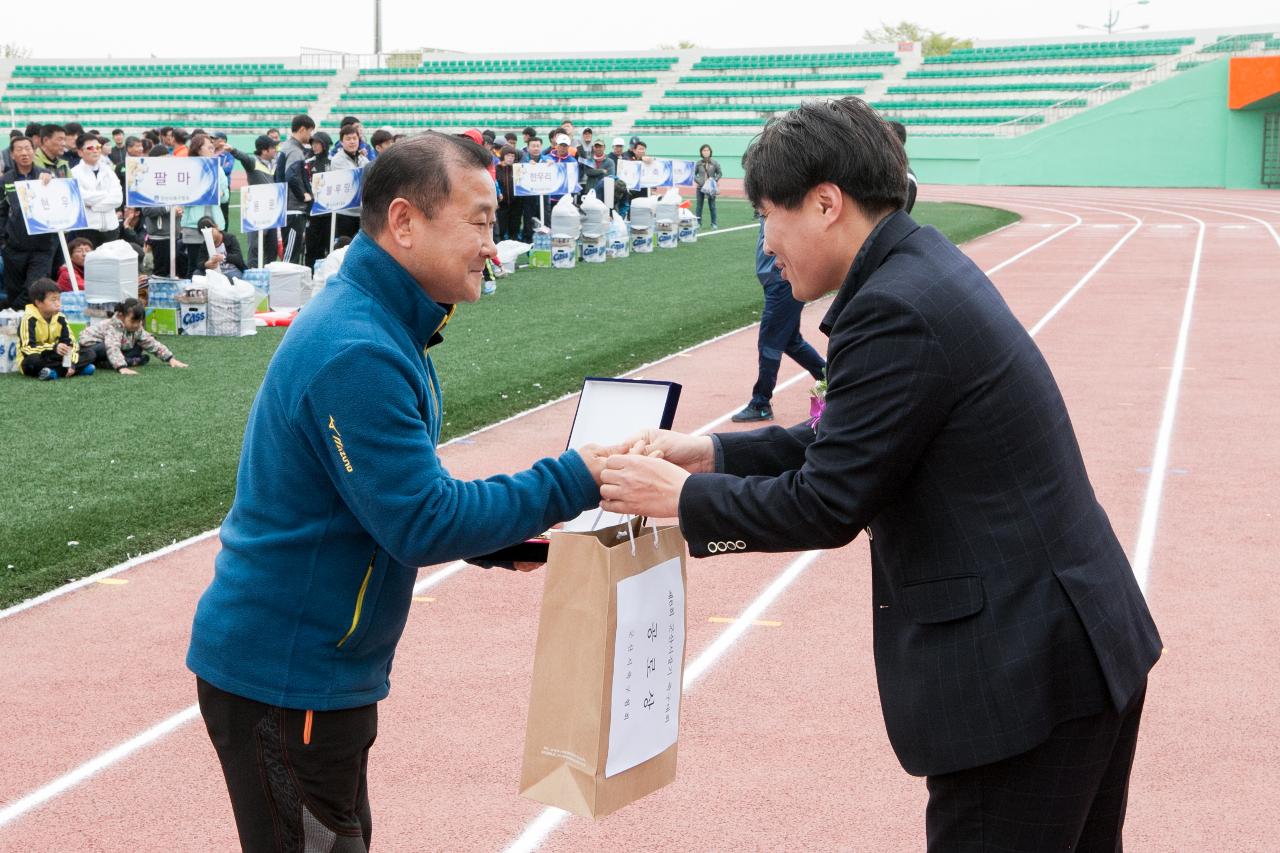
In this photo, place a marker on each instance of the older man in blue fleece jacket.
(340, 496)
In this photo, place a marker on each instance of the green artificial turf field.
(110, 466)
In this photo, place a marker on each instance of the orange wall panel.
(1252, 79)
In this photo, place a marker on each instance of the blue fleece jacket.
(340, 496)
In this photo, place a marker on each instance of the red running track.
(782, 745)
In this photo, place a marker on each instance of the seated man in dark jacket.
(226, 257)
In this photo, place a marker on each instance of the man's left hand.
(642, 485)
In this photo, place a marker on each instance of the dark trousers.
(297, 779)
(160, 255)
(529, 211)
(96, 354)
(507, 223)
(348, 226)
(21, 269)
(269, 247)
(295, 238)
(317, 238)
(31, 365)
(94, 236)
(711, 204)
(197, 255)
(780, 335)
(1068, 793)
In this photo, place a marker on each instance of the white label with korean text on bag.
(648, 659)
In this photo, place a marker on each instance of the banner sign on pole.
(629, 173)
(262, 207)
(682, 173)
(337, 189)
(172, 181)
(653, 173)
(549, 177)
(52, 207)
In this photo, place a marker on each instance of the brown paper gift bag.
(604, 711)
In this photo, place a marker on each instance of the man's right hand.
(127, 371)
(596, 457)
(694, 453)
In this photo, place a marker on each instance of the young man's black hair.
(872, 171)
(300, 121)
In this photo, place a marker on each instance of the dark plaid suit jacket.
(1003, 602)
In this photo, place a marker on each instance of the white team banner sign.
(52, 207)
(629, 173)
(263, 207)
(652, 173)
(549, 177)
(340, 189)
(682, 173)
(172, 181)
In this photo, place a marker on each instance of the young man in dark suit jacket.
(1012, 642)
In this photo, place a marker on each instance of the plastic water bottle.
(540, 254)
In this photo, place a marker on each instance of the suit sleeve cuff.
(718, 449)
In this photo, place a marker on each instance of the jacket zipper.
(364, 586)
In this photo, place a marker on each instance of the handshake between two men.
(644, 474)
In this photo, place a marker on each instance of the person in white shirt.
(99, 189)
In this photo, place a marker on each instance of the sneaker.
(87, 370)
(47, 374)
(715, 227)
(753, 413)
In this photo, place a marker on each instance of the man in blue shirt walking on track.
(779, 336)
(340, 496)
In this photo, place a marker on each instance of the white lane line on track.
(543, 825)
(1164, 436)
(156, 732)
(47, 792)
(105, 573)
(1045, 241)
(549, 818)
(84, 771)
(1267, 225)
(1035, 330)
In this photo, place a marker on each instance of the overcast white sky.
(235, 28)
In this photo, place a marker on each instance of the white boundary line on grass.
(200, 537)
(105, 573)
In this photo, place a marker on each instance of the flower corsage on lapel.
(817, 402)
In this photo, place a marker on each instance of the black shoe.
(753, 413)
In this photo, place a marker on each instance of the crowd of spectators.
(97, 163)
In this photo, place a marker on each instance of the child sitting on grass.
(46, 346)
(121, 342)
